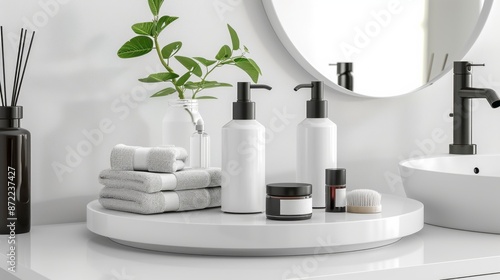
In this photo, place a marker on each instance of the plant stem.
(169, 69)
(205, 76)
(218, 64)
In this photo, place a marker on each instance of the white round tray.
(211, 232)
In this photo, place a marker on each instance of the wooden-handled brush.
(364, 201)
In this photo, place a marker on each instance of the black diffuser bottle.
(15, 167)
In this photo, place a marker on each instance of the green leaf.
(213, 84)
(171, 49)
(163, 22)
(137, 46)
(143, 28)
(154, 6)
(205, 84)
(192, 85)
(248, 67)
(234, 38)
(164, 92)
(230, 61)
(159, 77)
(254, 65)
(183, 79)
(190, 65)
(224, 53)
(245, 48)
(206, 97)
(205, 61)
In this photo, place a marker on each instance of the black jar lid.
(11, 112)
(335, 176)
(289, 189)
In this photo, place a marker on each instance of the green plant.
(198, 68)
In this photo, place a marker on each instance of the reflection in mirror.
(344, 75)
(395, 46)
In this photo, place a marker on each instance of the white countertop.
(71, 251)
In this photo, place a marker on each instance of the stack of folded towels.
(155, 180)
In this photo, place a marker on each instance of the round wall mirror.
(377, 48)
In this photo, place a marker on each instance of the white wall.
(75, 81)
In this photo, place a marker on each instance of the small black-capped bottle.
(15, 168)
(335, 192)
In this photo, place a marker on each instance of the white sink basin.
(458, 191)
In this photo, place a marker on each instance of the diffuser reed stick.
(21, 63)
(24, 68)
(3, 71)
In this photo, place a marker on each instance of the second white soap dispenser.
(316, 143)
(243, 188)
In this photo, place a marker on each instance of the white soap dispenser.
(316, 144)
(243, 188)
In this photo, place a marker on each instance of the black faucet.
(462, 107)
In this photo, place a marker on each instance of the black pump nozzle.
(261, 86)
(244, 108)
(316, 107)
(316, 89)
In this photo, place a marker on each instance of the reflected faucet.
(463, 92)
(344, 74)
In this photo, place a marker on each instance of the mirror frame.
(295, 53)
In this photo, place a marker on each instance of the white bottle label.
(296, 206)
(340, 197)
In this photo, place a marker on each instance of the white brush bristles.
(364, 201)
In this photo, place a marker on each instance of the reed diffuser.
(15, 143)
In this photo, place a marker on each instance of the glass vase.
(179, 123)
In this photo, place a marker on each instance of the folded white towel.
(154, 182)
(159, 202)
(155, 159)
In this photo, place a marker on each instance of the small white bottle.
(316, 144)
(243, 188)
(199, 148)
